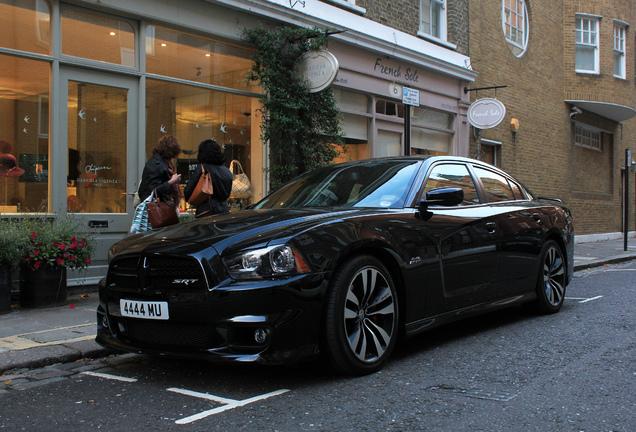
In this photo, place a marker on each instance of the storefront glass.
(431, 132)
(194, 58)
(194, 114)
(97, 37)
(24, 135)
(97, 129)
(25, 25)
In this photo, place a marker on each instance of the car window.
(380, 184)
(496, 186)
(453, 176)
(517, 191)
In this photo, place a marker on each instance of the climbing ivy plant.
(303, 129)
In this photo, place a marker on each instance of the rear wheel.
(552, 279)
(361, 316)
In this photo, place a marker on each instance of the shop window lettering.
(409, 74)
(92, 177)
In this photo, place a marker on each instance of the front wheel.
(552, 279)
(361, 317)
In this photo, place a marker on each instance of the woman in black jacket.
(213, 160)
(159, 173)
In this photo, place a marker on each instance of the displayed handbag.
(161, 213)
(241, 186)
(203, 190)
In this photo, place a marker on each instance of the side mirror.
(443, 197)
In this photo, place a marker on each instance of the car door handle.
(491, 227)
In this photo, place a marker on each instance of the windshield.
(376, 184)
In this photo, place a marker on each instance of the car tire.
(361, 317)
(551, 279)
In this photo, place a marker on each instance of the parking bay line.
(109, 376)
(229, 403)
(584, 299)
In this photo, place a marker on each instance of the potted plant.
(10, 255)
(50, 247)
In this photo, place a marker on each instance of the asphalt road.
(506, 371)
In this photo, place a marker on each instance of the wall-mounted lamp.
(514, 127)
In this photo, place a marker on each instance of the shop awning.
(618, 113)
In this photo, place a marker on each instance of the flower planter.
(42, 287)
(5, 289)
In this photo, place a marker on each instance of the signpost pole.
(628, 162)
(407, 130)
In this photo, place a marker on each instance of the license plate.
(144, 309)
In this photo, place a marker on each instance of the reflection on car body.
(338, 263)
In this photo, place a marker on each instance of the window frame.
(620, 51)
(579, 137)
(518, 48)
(582, 44)
(442, 19)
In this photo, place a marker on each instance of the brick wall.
(542, 154)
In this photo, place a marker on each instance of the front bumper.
(269, 321)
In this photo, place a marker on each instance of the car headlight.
(114, 250)
(266, 262)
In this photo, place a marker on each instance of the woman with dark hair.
(212, 159)
(159, 173)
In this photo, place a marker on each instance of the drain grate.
(474, 393)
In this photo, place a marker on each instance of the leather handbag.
(203, 190)
(241, 186)
(161, 213)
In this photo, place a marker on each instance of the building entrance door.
(99, 142)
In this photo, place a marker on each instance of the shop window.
(515, 25)
(24, 135)
(26, 25)
(587, 44)
(355, 125)
(389, 143)
(98, 37)
(619, 50)
(194, 114)
(431, 132)
(389, 108)
(195, 58)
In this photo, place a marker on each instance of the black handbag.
(161, 213)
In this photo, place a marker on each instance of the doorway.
(99, 158)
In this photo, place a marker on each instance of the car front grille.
(157, 273)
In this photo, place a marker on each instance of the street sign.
(410, 96)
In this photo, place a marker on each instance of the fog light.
(260, 336)
(105, 322)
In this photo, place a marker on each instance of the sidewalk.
(33, 338)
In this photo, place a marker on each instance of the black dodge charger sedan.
(339, 262)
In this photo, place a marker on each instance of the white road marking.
(229, 403)
(590, 299)
(108, 376)
(584, 299)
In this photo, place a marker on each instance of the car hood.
(244, 229)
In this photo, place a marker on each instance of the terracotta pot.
(43, 287)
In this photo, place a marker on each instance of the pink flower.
(88, 260)
(62, 246)
(36, 264)
(36, 252)
(33, 235)
(59, 260)
(73, 239)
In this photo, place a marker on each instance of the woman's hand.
(176, 178)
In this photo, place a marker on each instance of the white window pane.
(585, 59)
